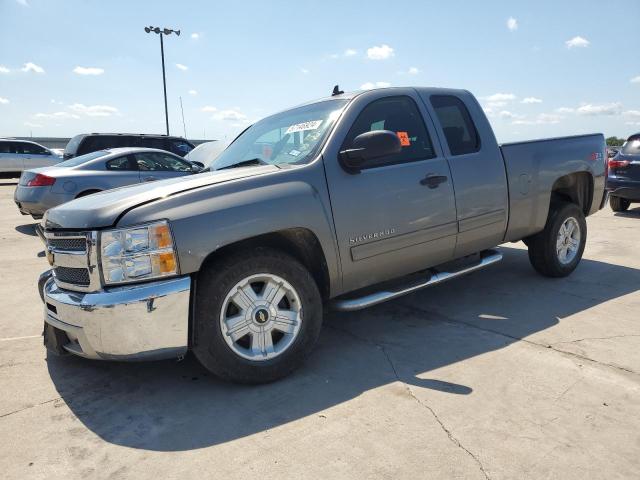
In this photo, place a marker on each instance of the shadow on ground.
(176, 406)
(631, 213)
(27, 229)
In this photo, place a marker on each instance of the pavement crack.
(595, 338)
(30, 407)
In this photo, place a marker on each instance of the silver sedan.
(40, 189)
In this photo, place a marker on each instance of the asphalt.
(501, 374)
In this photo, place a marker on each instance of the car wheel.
(557, 250)
(257, 316)
(618, 204)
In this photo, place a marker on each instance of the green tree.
(615, 141)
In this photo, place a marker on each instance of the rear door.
(123, 171)
(160, 166)
(477, 170)
(389, 222)
(11, 157)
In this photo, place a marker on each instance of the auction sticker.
(301, 127)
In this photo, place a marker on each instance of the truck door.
(477, 170)
(398, 215)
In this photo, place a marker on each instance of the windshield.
(290, 137)
(632, 146)
(75, 161)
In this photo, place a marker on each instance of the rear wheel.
(557, 250)
(257, 315)
(618, 204)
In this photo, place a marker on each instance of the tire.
(219, 300)
(547, 254)
(619, 204)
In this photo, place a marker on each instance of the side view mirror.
(369, 146)
(197, 166)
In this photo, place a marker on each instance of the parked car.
(623, 181)
(206, 152)
(42, 188)
(350, 201)
(92, 142)
(612, 151)
(19, 155)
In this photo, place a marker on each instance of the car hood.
(103, 209)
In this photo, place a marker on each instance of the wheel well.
(300, 243)
(575, 188)
(87, 192)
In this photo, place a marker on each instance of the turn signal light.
(41, 180)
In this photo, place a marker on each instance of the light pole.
(161, 32)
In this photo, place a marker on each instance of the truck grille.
(76, 276)
(68, 244)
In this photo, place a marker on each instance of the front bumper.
(139, 322)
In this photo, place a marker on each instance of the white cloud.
(94, 110)
(182, 67)
(500, 97)
(192, 92)
(631, 113)
(32, 125)
(577, 41)
(633, 80)
(195, 36)
(24, 3)
(542, 119)
(632, 123)
(370, 85)
(512, 24)
(531, 100)
(57, 115)
(508, 114)
(32, 67)
(88, 70)
(233, 115)
(350, 52)
(304, 70)
(383, 52)
(4, 69)
(604, 109)
(565, 110)
(4, 101)
(413, 71)
(209, 108)
(494, 105)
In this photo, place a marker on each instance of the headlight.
(137, 253)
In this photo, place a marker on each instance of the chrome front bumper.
(138, 322)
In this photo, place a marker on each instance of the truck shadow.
(177, 406)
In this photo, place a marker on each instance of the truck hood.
(103, 209)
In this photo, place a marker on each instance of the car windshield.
(74, 162)
(632, 146)
(289, 137)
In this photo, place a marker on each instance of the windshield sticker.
(404, 139)
(295, 153)
(301, 127)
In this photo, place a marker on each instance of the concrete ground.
(501, 374)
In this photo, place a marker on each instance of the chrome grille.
(76, 276)
(68, 244)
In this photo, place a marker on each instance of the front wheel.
(619, 204)
(557, 250)
(257, 315)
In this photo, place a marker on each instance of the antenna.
(184, 127)
(336, 91)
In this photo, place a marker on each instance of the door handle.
(433, 181)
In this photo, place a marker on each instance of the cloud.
(182, 67)
(370, 85)
(632, 123)
(233, 115)
(512, 24)
(509, 115)
(531, 100)
(631, 113)
(32, 125)
(4, 101)
(500, 97)
(94, 110)
(57, 115)
(24, 3)
(209, 108)
(195, 36)
(32, 67)
(350, 52)
(633, 80)
(192, 92)
(577, 41)
(4, 69)
(413, 71)
(88, 70)
(304, 70)
(604, 109)
(383, 52)
(542, 119)
(565, 110)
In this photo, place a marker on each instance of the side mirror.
(197, 166)
(369, 146)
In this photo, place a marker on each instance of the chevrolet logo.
(50, 257)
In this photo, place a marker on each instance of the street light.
(161, 32)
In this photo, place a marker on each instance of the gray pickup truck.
(346, 202)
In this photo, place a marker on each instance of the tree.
(615, 142)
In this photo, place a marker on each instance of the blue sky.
(540, 68)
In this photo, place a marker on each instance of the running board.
(487, 257)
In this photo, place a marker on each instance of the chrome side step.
(488, 257)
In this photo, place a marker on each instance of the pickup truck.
(343, 202)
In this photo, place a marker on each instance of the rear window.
(72, 146)
(75, 161)
(631, 146)
(457, 126)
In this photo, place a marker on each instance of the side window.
(33, 149)
(95, 143)
(7, 147)
(161, 162)
(459, 130)
(121, 163)
(401, 116)
(153, 142)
